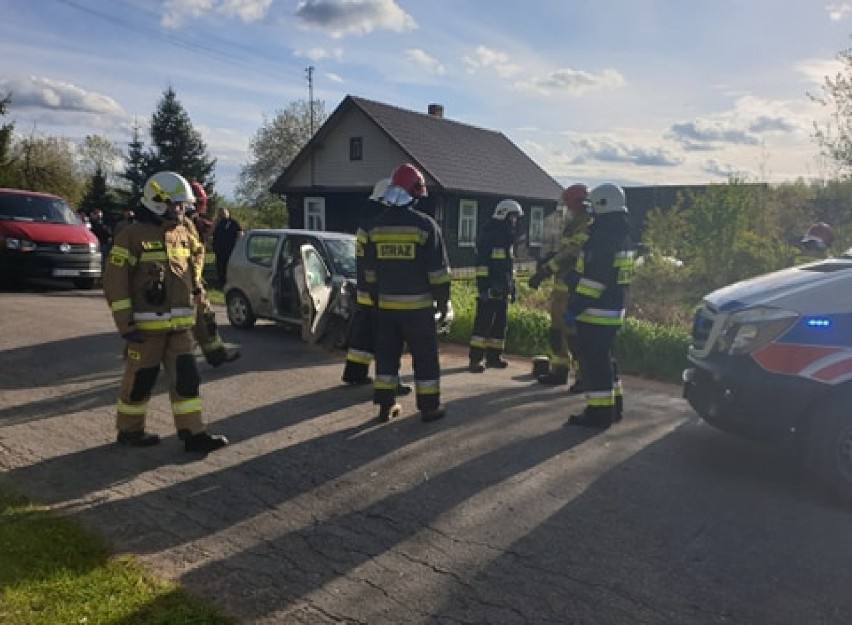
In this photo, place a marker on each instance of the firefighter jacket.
(151, 276)
(495, 259)
(405, 261)
(197, 250)
(603, 272)
(562, 263)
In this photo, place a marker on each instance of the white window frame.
(468, 212)
(536, 232)
(314, 213)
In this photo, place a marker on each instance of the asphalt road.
(498, 514)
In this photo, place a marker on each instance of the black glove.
(133, 336)
(535, 280)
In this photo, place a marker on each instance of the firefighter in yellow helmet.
(563, 339)
(151, 282)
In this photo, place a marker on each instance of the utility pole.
(310, 72)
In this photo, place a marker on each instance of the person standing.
(407, 273)
(563, 339)
(225, 235)
(100, 230)
(205, 330)
(815, 244)
(495, 284)
(151, 283)
(596, 305)
(361, 348)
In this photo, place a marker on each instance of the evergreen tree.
(136, 170)
(176, 145)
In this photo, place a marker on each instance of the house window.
(356, 148)
(536, 226)
(467, 223)
(315, 213)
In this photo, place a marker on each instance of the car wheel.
(240, 313)
(830, 449)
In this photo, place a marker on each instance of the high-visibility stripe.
(400, 234)
(148, 257)
(405, 302)
(427, 387)
(360, 356)
(364, 298)
(478, 341)
(441, 276)
(186, 406)
(498, 253)
(132, 409)
(386, 382)
(591, 288)
(120, 304)
(601, 317)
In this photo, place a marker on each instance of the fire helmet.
(200, 197)
(575, 197)
(163, 188)
(505, 208)
(819, 234)
(406, 185)
(607, 198)
(379, 189)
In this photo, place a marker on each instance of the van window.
(36, 208)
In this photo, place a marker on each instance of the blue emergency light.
(818, 322)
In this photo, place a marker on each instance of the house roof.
(458, 157)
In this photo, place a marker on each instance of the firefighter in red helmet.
(563, 339)
(407, 275)
(815, 244)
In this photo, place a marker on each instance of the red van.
(41, 237)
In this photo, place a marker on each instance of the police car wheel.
(830, 450)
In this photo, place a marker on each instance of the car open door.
(314, 282)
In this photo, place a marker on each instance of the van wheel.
(830, 450)
(240, 313)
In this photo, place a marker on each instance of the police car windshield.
(21, 207)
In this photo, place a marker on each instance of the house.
(468, 170)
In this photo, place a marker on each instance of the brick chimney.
(436, 110)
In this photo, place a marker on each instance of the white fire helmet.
(505, 208)
(379, 190)
(165, 187)
(607, 198)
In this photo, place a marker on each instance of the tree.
(5, 143)
(135, 171)
(177, 146)
(47, 164)
(834, 136)
(272, 148)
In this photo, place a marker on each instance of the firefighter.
(560, 265)
(360, 350)
(151, 282)
(596, 304)
(407, 273)
(815, 243)
(495, 284)
(206, 330)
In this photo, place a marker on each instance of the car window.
(315, 269)
(342, 252)
(260, 248)
(35, 208)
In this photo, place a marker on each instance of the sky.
(635, 92)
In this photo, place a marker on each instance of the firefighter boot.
(590, 419)
(221, 355)
(557, 376)
(475, 366)
(402, 389)
(203, 442)
(495, 362)
(433, 414)
(137, 438)
(388, 412)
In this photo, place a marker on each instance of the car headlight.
(748, 330)
(20, 245)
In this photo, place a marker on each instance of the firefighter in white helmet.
(596, 306)
(152, 285)
(495, 284)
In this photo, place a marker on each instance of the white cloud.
(573, 81)
(838, 10)
(334, 77)
(359, 17)
(175, 12)
(36, 92)
(608, 150)
(486, 58)
(319, 54)
(816, 70)
(422, 58)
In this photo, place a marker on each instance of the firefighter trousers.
(172, 351)
(489, 329)
(603, 390)
(360, 353)
(415, 328)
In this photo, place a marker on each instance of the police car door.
(315, 292)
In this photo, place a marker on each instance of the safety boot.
(496, 363)
(221, 355)
(388, 412)
(433, 414)
(137, 438)
(203, 442)
(554, 378)
(475, 367)
(402, 390)
(589, 420)
(360, 381)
